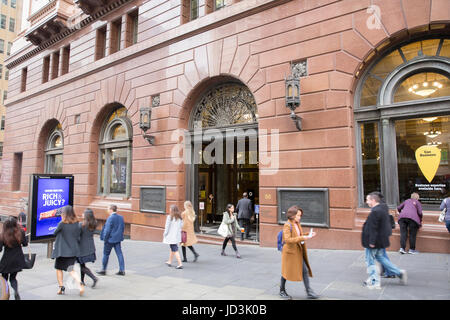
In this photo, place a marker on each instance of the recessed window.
(23, 85)
(2, 46)
(12, 24)
(115, 154)
(54, 151)
(8, 49)
(116, 35)
(100, 46)
(13, 3)
(2, 124)
(45, 69)
(132, 28)
(55, 65)
(219, 4)
(65, 60)
(1, 71)
(3, 21)
(17, 171)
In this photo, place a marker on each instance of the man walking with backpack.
(375, 238)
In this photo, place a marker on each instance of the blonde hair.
(189, 210)
(415, 195)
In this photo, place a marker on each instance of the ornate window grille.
(225, 105)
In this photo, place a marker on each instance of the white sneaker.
(403, 277)
(413, 251)
(371, 286)
(402, 251)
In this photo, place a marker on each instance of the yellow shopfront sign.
(428, 158)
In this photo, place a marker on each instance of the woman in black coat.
(67, 247)
(13, 261)
(87, 245)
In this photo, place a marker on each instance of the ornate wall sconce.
(293, 99)
(145, 124)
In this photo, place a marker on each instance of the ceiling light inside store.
(432, 133)
(425, 89)
(430, 119)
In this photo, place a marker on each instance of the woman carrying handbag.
(228, 229)
(13, 261)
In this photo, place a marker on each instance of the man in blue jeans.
(112, 235)
(375, 240)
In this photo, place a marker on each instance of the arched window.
(54, 151)
(403, 129)
(225, 105)
(115, 154)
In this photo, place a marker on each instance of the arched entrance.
(223, 131)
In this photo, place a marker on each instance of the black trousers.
(233, 243)
(305, 279)
(85, 270)
(405, 226)
(245, 223)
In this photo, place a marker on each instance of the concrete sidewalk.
(338, 274)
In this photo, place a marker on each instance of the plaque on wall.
(153, 199)
(313, 201)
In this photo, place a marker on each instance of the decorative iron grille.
(225, 105)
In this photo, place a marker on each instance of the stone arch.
(42, 139)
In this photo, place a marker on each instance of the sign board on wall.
(49, 193)
(153, 199)
(313, 201)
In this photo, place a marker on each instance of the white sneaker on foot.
(403, 277)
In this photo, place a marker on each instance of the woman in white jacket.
(172, 234)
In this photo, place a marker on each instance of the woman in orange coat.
(294, 257)
(188, 216)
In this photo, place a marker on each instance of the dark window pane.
(118, 173)
(370, 157)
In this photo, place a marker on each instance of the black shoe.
(16, 296)
(102, 272)
(196, 257)
(95, 283)
(120, 273)
(284, 295)
(61, 290)
(184, 260)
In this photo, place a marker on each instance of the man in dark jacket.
(245, 212)
(112, 235)
(375, 238)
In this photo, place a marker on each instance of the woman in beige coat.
(188, 216)
(294, 257)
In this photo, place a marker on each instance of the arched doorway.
(223, 129)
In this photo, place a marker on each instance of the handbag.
(223, 230)
(183, 236)
(442, 215)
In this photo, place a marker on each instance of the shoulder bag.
(29, 258)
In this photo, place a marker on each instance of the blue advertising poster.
(50, 194)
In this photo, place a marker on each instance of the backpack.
(280, 242)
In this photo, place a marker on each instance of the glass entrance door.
(222, 183)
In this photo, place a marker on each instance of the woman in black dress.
(87, 246)
(67, 247)
(13, 261)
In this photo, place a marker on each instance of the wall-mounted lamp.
(145, 124)
(293, 99)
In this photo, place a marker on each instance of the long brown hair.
(174, 212)
(89, 220)
(68, 215)
(11, 235)
(292, 212)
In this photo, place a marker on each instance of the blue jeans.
(380, 256)
(107, 251)
(383, 270)
(447, 224)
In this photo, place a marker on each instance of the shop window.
(401, 107)
(423, 85)
(370, 154)
(422, 158)
(115, 154)
(54, 151)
